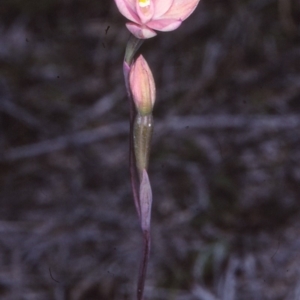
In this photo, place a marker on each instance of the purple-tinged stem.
(140, 184)
(143, 265)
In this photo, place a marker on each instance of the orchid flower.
(146, 16)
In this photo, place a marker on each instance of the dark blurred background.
(225, 164)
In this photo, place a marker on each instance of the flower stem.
(132, 47)
(142, 134)
(139, 149)
(143, 265)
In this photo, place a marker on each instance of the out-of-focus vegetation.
(225, 165)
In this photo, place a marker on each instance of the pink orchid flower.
(149, 15)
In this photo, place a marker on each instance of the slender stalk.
(132, 47)
(139, 148)
(143, 265)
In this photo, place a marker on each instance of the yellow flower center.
(144, 3)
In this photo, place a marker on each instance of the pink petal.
(145, 13)
(127, 9)
(181, 9)
(164, 24)
(141, 32)
(161, 7)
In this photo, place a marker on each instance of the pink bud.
(142, 86)
(146, 16)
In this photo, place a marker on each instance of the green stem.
(132, 47)
(142, 134)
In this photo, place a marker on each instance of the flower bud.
(142, 86)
